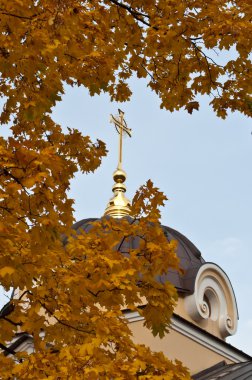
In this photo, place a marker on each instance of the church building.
(206, 312)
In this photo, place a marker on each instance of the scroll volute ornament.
(213, 300)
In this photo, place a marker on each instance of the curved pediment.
(213, 302)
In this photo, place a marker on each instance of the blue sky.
(202, 164)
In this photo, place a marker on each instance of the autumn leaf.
(191, 106)
(6, 271)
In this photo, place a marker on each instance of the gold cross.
(121, 126)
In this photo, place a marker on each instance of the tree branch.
(64, 323)
(136, 14)
(17, 16)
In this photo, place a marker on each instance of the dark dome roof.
(190, 257)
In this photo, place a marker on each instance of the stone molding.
(199, 336)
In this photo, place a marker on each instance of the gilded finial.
(119, 205)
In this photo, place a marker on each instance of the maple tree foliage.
(71, 296)
(73, 290)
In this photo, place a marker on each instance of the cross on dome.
(119, 205)
(121, 127)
